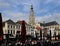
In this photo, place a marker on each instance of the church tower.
(31, 17)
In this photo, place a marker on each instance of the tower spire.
(31, 6)
(31, 17)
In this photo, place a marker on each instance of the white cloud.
(43, 18)
(56, 2)
(48, 1)
(15, 16)
(26, 5)
(26, 8)
(49, 18)
(4, 4)
(43, 11)
(29, 4)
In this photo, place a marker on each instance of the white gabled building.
(9, 28)
(29, 28)
(53, 26)
(18, 27)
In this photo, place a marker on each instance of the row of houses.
(11, 27)
(53, 26)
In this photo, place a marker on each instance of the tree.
(50, 34)
(41, 34)
(23, 32)
(1, 30)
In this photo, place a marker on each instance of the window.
(8, 31)
(11, 26)
(8, 26)
(5, 32)
(56, 28)
(16, 26)
(19, 27)
(13, 31)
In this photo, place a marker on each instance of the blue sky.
(44, 10)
